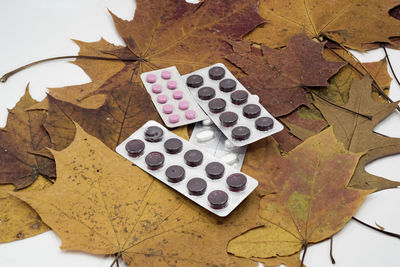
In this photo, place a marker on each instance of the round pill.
(156, 88)
(227, 85)
(236, 181)
(241, 133)
(207, 122)
(194, 81)
(151, 78)
(168, 109)
(229, 159)
(205, 136)
(154, 160)
(175, 173)
(173, 146)
(183, 105)
(216, 73)
(166, 74)
(171, 85)
(217, 105)
(229, 145)
(162, 99)
(251, 111)
(215, 170)
(153, 134)
(239, 97)
(177, 94)
(174, 118)
(196, 186)
(135, 148)
(206, 93)
(264, 124)
(193, 158)
(217, 199)
(228, 118)
(190, 114)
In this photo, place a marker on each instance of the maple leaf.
(124, 111)
(308, 200)
(357, 132)
(98, 71)
(22, 137)
(189, 36)
(17, 219)
(356, 24)
(307, 121)
(102, 204)
(278, 76)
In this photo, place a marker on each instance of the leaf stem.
(330, 252)
(390, 65)
(4, 78)
(115, 261)
(377, 229)
(369, 117)
(304, 254)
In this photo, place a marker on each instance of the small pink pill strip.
(171, 97)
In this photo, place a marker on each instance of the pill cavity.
(177, 94)
(167, 109)
(156, 88)
(183, 105)
(190, 114)
(151, 78)
(166, 74)
(229, 159)
(207, 122)
(229, 145)
(162, 99)
(171, 85)
(205, 136)
(174, 118)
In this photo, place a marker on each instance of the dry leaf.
(357, 24)
(310, 201)
(17, 219)
(339, 85)
(98, 71)
(23, 136)
(102, 204)
(124, 111)
(189, 36)
(278, 76)
(288, 261)
(357, 132)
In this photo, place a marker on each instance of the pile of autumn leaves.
(58, 154)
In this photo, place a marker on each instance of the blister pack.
(171, 97)
(207, 136)
(181, 165)
(236, 112)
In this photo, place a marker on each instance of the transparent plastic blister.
(207, 136)
(235, 192)
(228, 114)
(171, 97)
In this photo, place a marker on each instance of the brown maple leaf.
(357, 132)
(21, 144)
(356, 24)
(278, 76)
(308, 200)
(126, 109)
(102, 204)
(189, 36)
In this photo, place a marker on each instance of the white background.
(34, 30)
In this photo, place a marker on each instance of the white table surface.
(34, 30)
